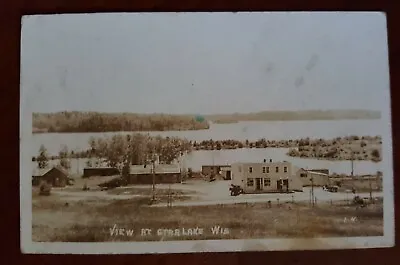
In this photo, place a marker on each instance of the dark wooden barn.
(143, 174)
(54, 176)
(100, 171)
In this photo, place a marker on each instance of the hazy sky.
(204, 62)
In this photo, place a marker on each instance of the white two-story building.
(265, 177)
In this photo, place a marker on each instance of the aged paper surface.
(205, 132)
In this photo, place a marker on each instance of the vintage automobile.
(235, 190)
(331, 188)
(357, 200)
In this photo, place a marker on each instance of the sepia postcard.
(205, 132)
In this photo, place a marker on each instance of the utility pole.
(183, 166)
(213, 166)
(77, 167)
(312, 191)
(370, 188)
(154, 179)
(169, 196)
(352, 164)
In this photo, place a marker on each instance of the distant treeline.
(76, 121)
(292, 143)
(340, 148)
(120, 150)
(295, 115)
(111, 122)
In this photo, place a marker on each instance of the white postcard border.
(190, 246)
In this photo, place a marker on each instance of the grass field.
(92, 220)
(347, 148)
(360, 184)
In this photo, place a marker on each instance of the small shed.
(54, 176)
(226, 172)
(309, 177)
(163, 173)
(208, 170)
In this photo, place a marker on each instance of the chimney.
(270, 160)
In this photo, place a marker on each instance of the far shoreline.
(46, 131)
(98, 122)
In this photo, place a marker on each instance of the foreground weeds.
(92, 221)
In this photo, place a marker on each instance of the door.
(286, 184)
(228, 175)
(279, 185)
(258, 183)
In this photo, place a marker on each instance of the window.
(264, 169)
(267, 169)
(267, 182)
(250, 182)
(250, 169)
(303, 175)
(285, 169)
(276, 169)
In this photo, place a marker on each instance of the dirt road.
(211, 193)
(82, 195)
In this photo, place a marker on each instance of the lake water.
(196, 159)
(276, 130)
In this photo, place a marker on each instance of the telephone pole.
(370, 188)
(77, 167)
(169, 204)
(312, 191)
(213, 167)
(352, 164)
(154, 180)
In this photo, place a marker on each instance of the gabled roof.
(317, 173)
(39, 172)
(159, 169)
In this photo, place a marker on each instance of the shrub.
(45, 189)
(375, 154)
(358, 200)
(338, 183)
(293, 152)
(85, 187)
